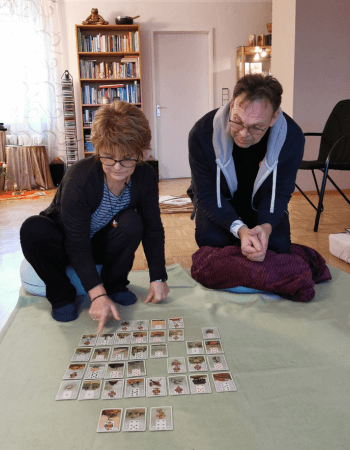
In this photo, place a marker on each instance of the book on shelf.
(127, 42)
(126, 68)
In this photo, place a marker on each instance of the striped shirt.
(110, 205)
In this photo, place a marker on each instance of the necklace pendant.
(114, 224)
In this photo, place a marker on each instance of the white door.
(182, 70)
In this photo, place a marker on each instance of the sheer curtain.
(30, 84)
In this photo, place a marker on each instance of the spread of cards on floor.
(107, 366)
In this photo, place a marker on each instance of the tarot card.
(112, 389)
(74, 371)
(115, 370)
(120, 353)
(194, 347)
(200, 384)
(176, 335)
(68, 390)
(124, 326)
(156, 387)
(210, 333)
(217, 362)
(158, 324)
(134, 419)
(223, 382)
(88, 340)
(100, 354)
(90, 390)
(176, 323)
(95, 371)
(136, 368)
(159, 350)
(139, 352)
(178, 385)
(161, 418)
(105, 339)
(176, 365)
(157, 336)
(81, 354)
(140, 325)
(197, 363)
(110, 420)
(139, 337)
(134, 387)
(213, 347)
(122, 338)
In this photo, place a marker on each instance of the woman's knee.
(37, 229)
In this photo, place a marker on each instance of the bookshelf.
(246, 62)
(109, 64)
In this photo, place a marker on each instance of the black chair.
(334, 153)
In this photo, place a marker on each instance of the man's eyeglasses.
(128, 162)
(237, 126)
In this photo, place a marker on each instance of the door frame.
(210, 37)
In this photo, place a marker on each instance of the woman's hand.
(158, 291)
(100, 310)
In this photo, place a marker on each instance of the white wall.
(232, 23)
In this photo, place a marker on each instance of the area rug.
(290, 363)
(25, 195)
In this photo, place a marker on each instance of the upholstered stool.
(34, 285)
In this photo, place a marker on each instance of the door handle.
(158, 109)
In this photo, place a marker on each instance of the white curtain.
(31, 69)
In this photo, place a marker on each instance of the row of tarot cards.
(117, 353)
(151, 387)
(160, 419)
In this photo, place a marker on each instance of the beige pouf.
(339, 246)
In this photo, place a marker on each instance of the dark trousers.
(211, 235)
(42, 243)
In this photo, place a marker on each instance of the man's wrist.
(234, 228)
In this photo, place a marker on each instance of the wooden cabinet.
(109, 62)
(247, 63)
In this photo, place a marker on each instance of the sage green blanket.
(290, 362)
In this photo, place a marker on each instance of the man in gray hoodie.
(244, 159)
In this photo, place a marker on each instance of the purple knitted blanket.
(292, 276)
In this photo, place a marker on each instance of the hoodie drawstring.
(218, 196)
(273, 195)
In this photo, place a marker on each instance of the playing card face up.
(176, 335)
(178, 385)
(105, 339)
(176, 365)
(158, 324)
(100, 354)
(115, 370)
(212, 347)
(135, 387)
(136, 368)
(75, 371)
(124, 326)
(159, 351)
(95, 371)
(81, 354)
(90, 390)
(161, 418)
(197, 363)
(110, 420)
(176, 323)
(139, 352)
(223, 382)
(139, 337)
(217, 362)
(120, 353)
(140, 325)
(156, 387)
(157, 336)
(68, 390)
(195, 347)
(88, 340)
(210, 333)
(134, 419)
(112, 389)
(200, 384)
(122, 338)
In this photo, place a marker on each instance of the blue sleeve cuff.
(236, 225)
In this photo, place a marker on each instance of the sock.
(125, 298)
(65, 313)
